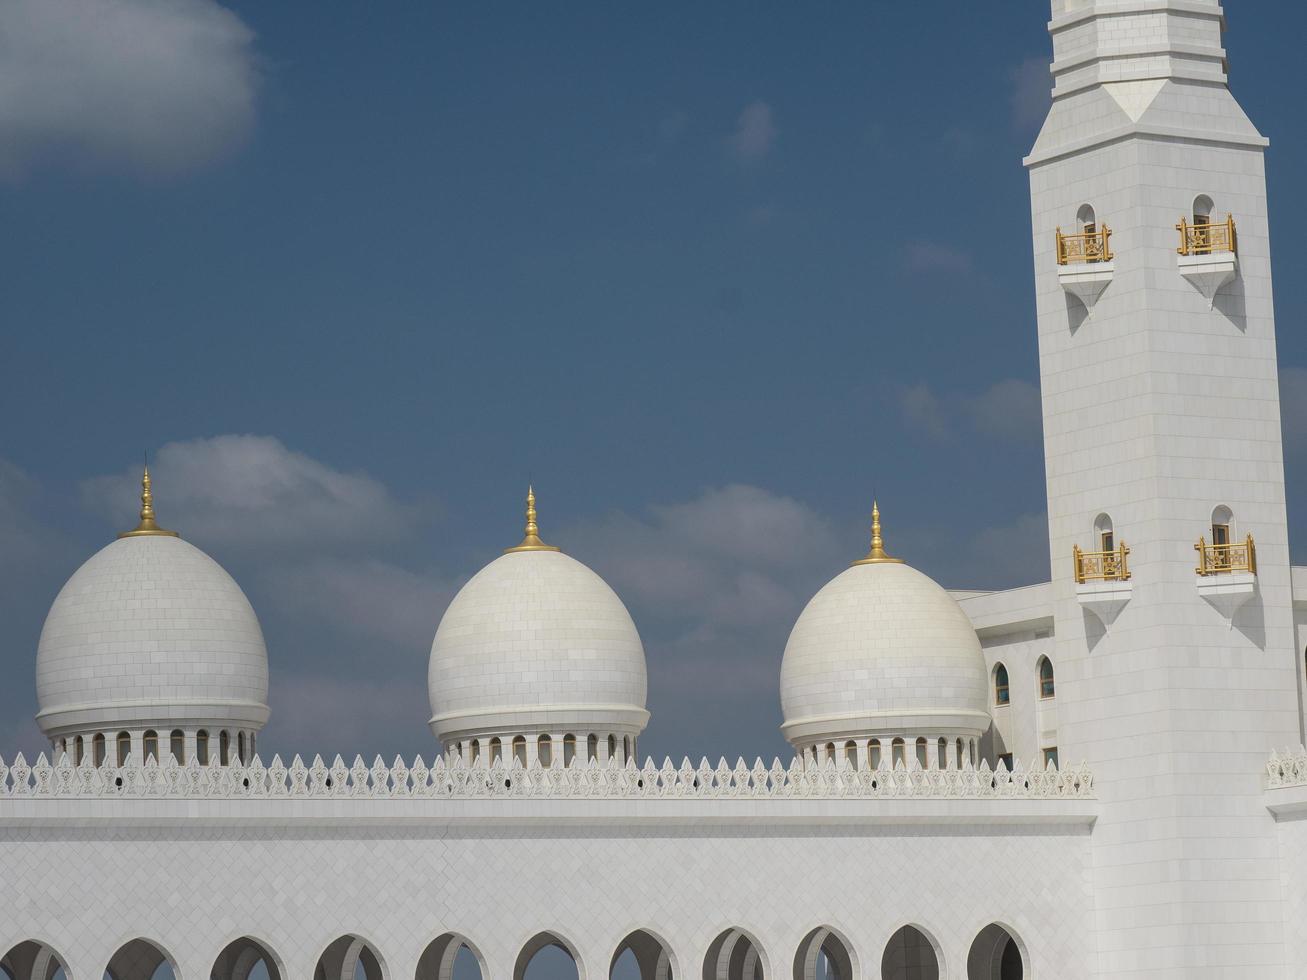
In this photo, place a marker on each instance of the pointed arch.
(140, 959)
(438, 959)
(240, 956)
(997, 953)
(912, 953)
(33, 960)
(351, 957)
(735, 955)
(653, 956)
(825, 952)
(546, 940)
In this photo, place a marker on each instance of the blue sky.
(709, 275)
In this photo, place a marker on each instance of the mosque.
(1092, 777)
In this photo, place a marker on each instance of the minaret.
(1161, 428)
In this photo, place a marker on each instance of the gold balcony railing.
(1089, 246)
(1222, 559)
(1102, 566)
(1207, 239)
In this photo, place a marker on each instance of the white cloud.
(923, 411)
(367, 598)
(1004, 557)
(1011, 410)
(147, 86)
(251, 492)
(755, 132)
(1032, 88)
(934, 257)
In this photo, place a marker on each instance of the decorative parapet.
(170, 780)
(1287, 768)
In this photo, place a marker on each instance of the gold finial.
(877, 554)
(532, 540)
(147, 525)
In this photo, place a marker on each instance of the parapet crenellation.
(1287, 768)
(512, 779)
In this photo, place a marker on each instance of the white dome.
(150, 633)
(883, 649)
(536, 642)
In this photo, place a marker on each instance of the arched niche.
(996, 954)
(911, 954)
(141, 959)
(1086, 218)
(553, 951)
(247, 959)
(350, 957)
(33, 960)
(451, 957)
(825, 954)
(650, 954)
(734, 955)
(1203, 209)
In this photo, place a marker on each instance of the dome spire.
(147, 525)
(877, 555)
(531, 542)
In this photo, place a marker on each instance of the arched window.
(612, 746)
(545, 750)
(519, 749)
(1087, 220)
(910, 953)
(1001, 694)
(921, 753)
(830, 752)
(77, 750)
(943, 753)
(826, 954)
(962, 754)
(546, 955)
(851, 754)
(898, 753)
(141, 959)
(453, 957)
(496, 750)
(569, 749)
(591, 747)
(1104, 533)
(240, 747)
(875, 753)
(734, 955)
(1203, 209)
(1046, 687)
(202, 747)
(224, 748)
(177, 745)
(124, 747)
(995, 955)
(626, 748)
(350, 956)
(151, 741)
(32, 960)
(97, 750)
(643, 956)
(240, 961)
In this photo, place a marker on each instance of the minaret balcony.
(1227, 574)
(1103, 581)
(1208, 255)
(1084, 263)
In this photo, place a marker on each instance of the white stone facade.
(1093, 777)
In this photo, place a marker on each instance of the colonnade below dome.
(558, 750)
(117, 747)
(888, 751)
